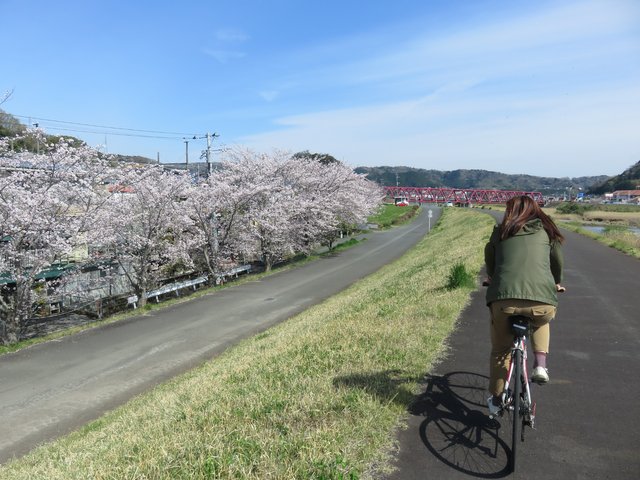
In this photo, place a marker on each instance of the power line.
(54, 128)
(105, 126)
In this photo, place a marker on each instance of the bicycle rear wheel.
(516, 418)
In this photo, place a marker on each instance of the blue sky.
(549, 88)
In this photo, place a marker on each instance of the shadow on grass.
(387, 386)
(456, 429)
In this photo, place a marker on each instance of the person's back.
(524, 264)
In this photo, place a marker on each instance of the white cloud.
(230, 35)
(536, 42)
(223, 56)
(563, 23)
(590, 134)
(225, 41)
(269, 95)
(551, 93)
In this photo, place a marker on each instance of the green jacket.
(526, 266)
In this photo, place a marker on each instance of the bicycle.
(516, 399)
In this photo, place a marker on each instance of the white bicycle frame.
(519, 343)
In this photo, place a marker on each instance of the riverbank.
(318, 396)
(616, 227)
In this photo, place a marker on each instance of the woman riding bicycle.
(524, 266)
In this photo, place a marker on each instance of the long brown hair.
(519, 211)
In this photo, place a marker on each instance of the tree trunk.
(16, 311)
(10, 328)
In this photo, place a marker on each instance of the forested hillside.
(627, 180)
(10, 126)
(417, 177)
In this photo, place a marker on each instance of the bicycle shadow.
(457, 429)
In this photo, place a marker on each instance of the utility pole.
(186, 155)
(208, 151)
(37, 140)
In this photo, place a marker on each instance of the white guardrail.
(177, 286)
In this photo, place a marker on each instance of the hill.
(627, 180)
(404, 176)
(483, 179)
(10, 126)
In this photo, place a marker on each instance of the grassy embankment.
(318, 396)
(387, 216)
(614, 218)
(390, 215)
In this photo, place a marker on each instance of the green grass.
(389, 215)
(460, 277)
(318, 396)
(582, 208)
(352, 242)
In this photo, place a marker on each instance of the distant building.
(626, 196)
(197, 170)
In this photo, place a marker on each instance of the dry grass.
(626, 218)
(597, 216)
(618, 238)
(318, 396)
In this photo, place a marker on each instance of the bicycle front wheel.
(516, 418)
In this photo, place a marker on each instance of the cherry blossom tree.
(155, 223)
(47, 201)
(264, 230)
(145, 228)
(334, 197)
(355, 197)
(295, 202)
(219, 210)
(5, 96)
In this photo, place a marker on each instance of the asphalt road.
(588, 416)
(53, 388)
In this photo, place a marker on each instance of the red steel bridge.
(457, 196)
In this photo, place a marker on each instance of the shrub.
(460, 277)
(573, 208)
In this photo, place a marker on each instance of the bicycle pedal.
(529, 420)
(498, 414)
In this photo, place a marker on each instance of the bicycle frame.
(519, 343)
(516, 396)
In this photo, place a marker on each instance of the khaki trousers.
(540, 314)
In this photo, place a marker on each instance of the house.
(626, 196)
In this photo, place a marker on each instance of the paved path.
(588, 416)
(50, 389)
